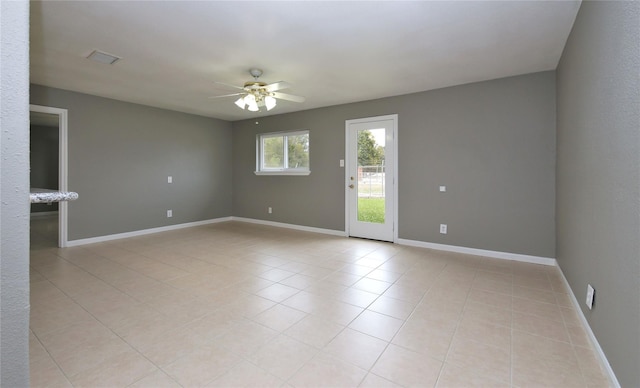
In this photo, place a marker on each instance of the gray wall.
(491, 143)
(120, 155)
(598, 175)
(43, 157)
(14, 191)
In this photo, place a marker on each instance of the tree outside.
(369, 153)
(297, 151)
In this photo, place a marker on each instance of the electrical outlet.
(169, 213)
(169, 179)
(443, 189)
(269, 210)
(443, 228)
(591, 293)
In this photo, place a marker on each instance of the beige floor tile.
(317, 272)
(277, 292)
(314, 330)
(544, 362)
(283, 356)
(407, 368)
(157, 379)
(245, 374)
(172, 345)
(427, 337)
(356, 348)
(539, 326)
(342, 278)
(74, 335)
(547, 311)
(478, 359)
(375, 381)
(535, 294)
(455, 376)
(279, 317)
(485, 332)
(591, 367)
(578, 336)
(202, 366)
(355, 269)
(492, 285)
(249, 305)
(494, 299)
(393, 307)
(119, 370)
(277, 274)
(299, 281)
(236, 304)
(44, 372)
(377, 325)
(326, 371)
(487, 313)
(357, 297)
(90, 353)
(338, 312)
(383, 275)
(372, 285)
(246, 337)
(405, 293)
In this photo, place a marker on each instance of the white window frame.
(261, 170)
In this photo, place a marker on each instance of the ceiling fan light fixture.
(269, 102)
(251, 102)
(240, 102)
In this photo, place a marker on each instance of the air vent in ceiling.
(102, 57)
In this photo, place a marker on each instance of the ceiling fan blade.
(288, 97)
(277, 86)
(226, 95)
(229, 85)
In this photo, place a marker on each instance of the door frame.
(63, 157)
(394, 129)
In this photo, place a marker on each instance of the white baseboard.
(331, 232)
(481, 252)
(143, 232)
(592, 337)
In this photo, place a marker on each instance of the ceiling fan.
(256, 94)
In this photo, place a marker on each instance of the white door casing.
(371, 185)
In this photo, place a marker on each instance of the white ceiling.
(332, 52)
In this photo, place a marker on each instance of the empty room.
(328, 194)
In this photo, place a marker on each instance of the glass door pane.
(371, 175)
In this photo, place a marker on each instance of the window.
(283, 153)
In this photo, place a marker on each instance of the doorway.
(49, 117)
(371, 190)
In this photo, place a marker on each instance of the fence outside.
(371, 181)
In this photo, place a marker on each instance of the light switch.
(341, 162)
(169, 179)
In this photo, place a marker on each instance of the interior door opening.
(48, 119)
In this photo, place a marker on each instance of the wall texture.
(14, 194)
(120, 155)
(43, 162)
(491, 143)
(598, 175)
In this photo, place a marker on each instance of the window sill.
(299, 173)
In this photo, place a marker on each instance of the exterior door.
(370, 177)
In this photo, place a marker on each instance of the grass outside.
(371, 210)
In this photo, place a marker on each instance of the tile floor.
(237, 304)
